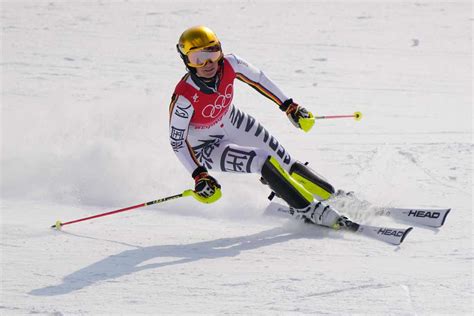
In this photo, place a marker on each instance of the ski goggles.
(200, 58)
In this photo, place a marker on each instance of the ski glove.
(298, 115)
(205, 185)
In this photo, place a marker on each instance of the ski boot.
(324, 215)
(347, 200)
(319, 214)
(301, 201)
(346, 223)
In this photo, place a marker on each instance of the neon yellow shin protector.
(311, 181)
(284, 185)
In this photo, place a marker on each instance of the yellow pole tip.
(58, 225)
(357, 116)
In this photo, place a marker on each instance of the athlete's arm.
(181, 112)
(255, 78)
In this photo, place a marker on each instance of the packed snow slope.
(85, 92)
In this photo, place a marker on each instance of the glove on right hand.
(205, 185)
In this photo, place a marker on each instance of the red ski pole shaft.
(59, 224)
(357, 116)
(332, 117)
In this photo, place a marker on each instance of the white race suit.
(207, 130)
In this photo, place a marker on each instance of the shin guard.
(311, 181)
(284, 185)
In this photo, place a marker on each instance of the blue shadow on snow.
(128, 262)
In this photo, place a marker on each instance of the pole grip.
(216, 196)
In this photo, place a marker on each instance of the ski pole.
(59, 224)
(357, 116)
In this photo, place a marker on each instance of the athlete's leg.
(244, 130)
(219, 155)
(227, 157)
(312, 181)
(301, 201)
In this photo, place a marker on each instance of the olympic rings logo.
(221, 103)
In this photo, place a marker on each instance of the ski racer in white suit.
(208, 133)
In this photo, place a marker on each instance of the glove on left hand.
(299, 116)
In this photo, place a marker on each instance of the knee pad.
(312, 182)
(284, 185)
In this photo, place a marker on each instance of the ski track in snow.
(85, 93)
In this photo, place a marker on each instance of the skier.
(209, 133)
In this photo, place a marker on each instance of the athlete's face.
(209, 70)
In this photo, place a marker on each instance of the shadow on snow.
(130, 261)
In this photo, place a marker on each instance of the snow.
(85, 93)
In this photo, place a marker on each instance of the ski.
(394, 236)
(432, 217)
(423, 216)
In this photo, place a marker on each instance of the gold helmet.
(196, 38)
(198, 45)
